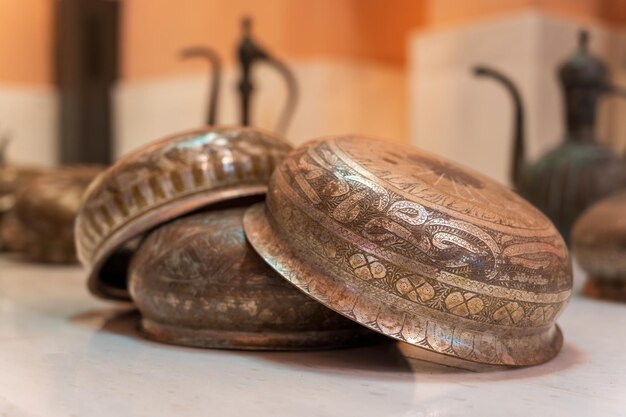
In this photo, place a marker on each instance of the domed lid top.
(400, 240)
(583, 70)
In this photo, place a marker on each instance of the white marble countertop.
(64, 353)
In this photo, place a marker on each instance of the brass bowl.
(197, 282)
(12, 179)
(416, 248)
(162, 181)
(41, 221)
(599, 244)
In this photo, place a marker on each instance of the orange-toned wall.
(26, 41)
(451, 12)
(155, 30)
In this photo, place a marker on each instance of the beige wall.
(26, 41)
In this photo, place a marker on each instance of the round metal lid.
(162, 181)
(416, 248)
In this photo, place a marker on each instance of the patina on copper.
(162, 181)
(41, 222)
(417, 248)
(197, 282)
(599, 244)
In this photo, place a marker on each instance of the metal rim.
(135, 228)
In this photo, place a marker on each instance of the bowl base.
(613, 290)
(242, 340)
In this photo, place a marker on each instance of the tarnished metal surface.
(599, 243)
(162, 181)
(416, 248)
(41, 222)
(197, 282)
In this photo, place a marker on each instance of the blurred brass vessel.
(162, 181)
(416, 248)
(599, 244)
(41, 221)
(581, 170)
(197, 282)
(12, 179)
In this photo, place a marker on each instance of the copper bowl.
(197, 282)
(416, 248)
(599, 244)
(41, 221)
(162, 181)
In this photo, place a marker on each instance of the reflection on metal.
(580, 171)
(215, 68)
(417, 248)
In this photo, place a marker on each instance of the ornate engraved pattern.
(421, 238)
(169, 178)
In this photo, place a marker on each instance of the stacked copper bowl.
(195, 279)
(377, 238)
(599, 243)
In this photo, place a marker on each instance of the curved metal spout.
(215, 71)
(519, 151)
(250, 53)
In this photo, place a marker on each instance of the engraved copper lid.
(599, 245)
(416, 248)
(44, 212)
(197, 282)
(164, 180)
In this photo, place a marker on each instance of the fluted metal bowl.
(599, 244)
(197, 282)
(13, 178)
(41, 221)
(162, 181)
(417, 248)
